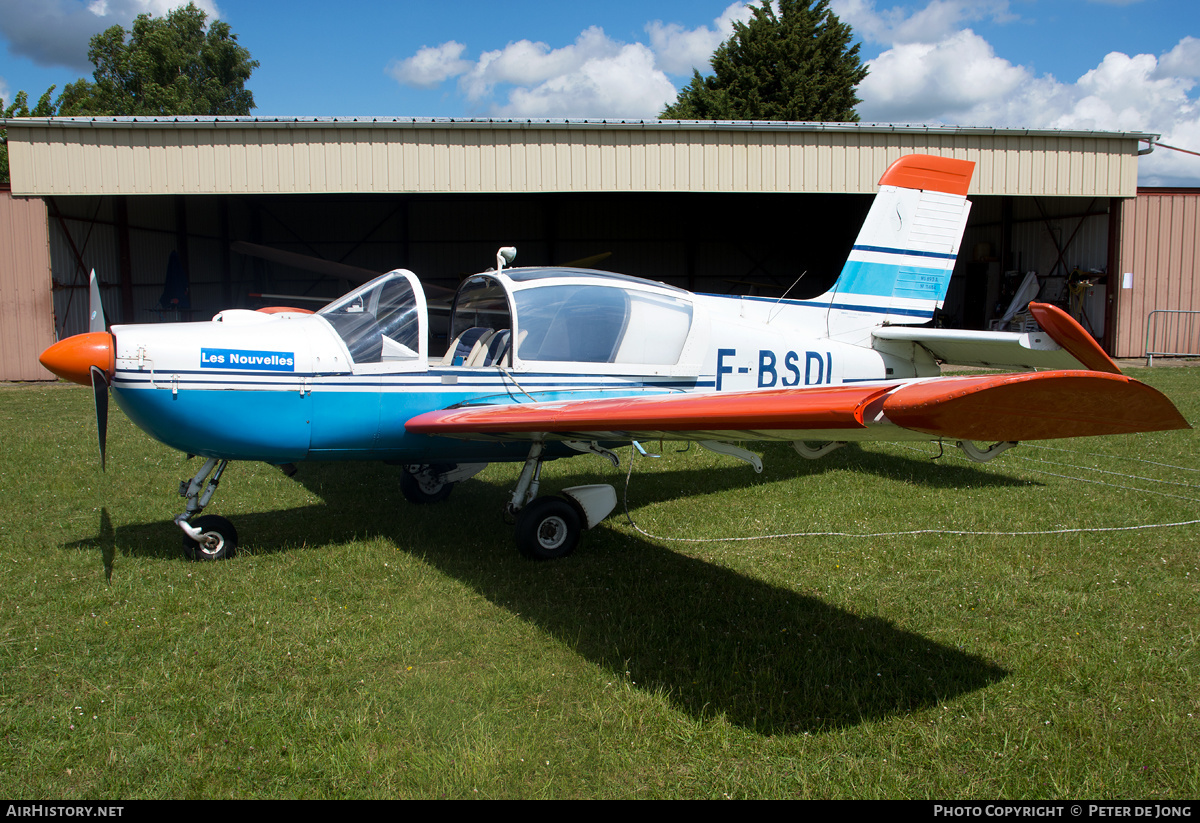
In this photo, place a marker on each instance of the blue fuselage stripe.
(908, 252)
(893, 280)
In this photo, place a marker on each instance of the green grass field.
(359, 646)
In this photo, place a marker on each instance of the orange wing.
(1031, 406)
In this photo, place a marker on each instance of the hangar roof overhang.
(350, 155)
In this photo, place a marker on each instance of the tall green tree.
(798, 64)
(164, 66)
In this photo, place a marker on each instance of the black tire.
(548, 528)
(422, 492)
(220, 539)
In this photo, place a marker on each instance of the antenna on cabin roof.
(775, 310)
(505, 254)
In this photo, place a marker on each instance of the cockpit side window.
(360, 332)
(657, 329)
(567, 322)
(576, 323)
(601, 324)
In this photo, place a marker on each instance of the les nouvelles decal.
(249, 360)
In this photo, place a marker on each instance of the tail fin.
(899, 268)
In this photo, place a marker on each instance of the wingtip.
(1032, 406)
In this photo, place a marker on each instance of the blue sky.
(1121, 65)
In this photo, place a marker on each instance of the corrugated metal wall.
(82, 238)
(26, 326)
(85, 234)
(1160, 268)
(1051, 236)
(99, 157)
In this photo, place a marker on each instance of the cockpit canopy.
(572, 315)
(518, 316)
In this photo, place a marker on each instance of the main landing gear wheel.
(548, 528)
(218, 542)
(423, 487)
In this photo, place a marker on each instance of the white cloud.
(526, 63)
(942, 81)
(960, 81)
(624, 84)
(678, 50)
(1183, 60)
(935, 69)
(938, 20)
(595, 76)
(1125, 93)
(4, 94)
(57, 32)
(431, 66)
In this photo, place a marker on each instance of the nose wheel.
(209, 537)
(218, 539)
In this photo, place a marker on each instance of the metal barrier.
(1174, 333)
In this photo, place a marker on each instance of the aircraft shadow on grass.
(716, 642)
(780, 463)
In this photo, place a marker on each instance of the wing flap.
(682, 415)
(1031, 406)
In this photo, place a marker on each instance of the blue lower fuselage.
(342, 417)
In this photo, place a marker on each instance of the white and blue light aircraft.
(547, 363)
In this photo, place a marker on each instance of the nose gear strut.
(214, 536)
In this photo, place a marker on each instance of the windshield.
(380, 321)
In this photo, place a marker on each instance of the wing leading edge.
(1029, 406)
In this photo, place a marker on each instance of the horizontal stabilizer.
(1031, 406)
(986, 349)
(1061, 344)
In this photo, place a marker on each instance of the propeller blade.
(100, 394)
(95, 307)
